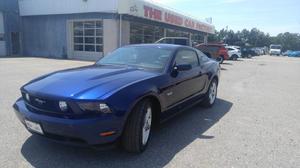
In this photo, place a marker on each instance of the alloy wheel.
(213, 93)
(147, 125)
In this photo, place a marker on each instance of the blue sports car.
(119, 98)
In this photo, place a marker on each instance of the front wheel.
(211, 95)
(138, 128)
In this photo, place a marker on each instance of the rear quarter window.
(187, 57)
(213, 48)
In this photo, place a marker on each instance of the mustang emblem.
(40, 101)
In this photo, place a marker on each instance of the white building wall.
(125, 32)
(48, 7)
(2, 42)
(111, 35)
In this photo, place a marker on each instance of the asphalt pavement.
(254, 123)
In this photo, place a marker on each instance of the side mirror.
(178, 68)
(183, 67)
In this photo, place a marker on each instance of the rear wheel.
(137, 131)
(220, 59)
(211, 95)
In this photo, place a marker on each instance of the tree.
(256, 38)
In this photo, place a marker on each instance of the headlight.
(63, 106)
(95, 107)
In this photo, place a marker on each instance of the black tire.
(132, 138)
(235, 57)
(207, 100)
(220, 59)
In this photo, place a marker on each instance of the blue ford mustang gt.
(119, 98)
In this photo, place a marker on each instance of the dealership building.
(10, 37)
(89, 29)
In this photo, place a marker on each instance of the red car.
(215, 51)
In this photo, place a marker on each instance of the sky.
(269, 16)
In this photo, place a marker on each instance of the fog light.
(104, 108)
(63, 106)
(27, 97)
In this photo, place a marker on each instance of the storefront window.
(88, 36)
(177, 33)
(197, 38)
(142, 33)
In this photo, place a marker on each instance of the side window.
(202, 57)
(230, 49)
(187, 57)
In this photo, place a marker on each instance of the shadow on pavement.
(226, 63)
(172, 137)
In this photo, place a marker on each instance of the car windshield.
(145, 57)
(275, 47)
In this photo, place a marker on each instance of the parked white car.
(275, 49)
(233, 52)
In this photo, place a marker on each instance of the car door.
(186, 83)
(231, 51)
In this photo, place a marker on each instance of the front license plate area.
(33, 126)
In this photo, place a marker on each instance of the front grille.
(50, 107)
(44, 106)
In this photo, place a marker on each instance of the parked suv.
(275, 49)
(215, 51)
(234, 53)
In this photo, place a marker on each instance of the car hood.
(275, 50)
(87, 83)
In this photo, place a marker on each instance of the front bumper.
(275, 53)
(79, 132)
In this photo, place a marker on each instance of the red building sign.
(175, 19)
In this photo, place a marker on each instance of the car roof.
(215, 45)
(231, 47)
(167, 46)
